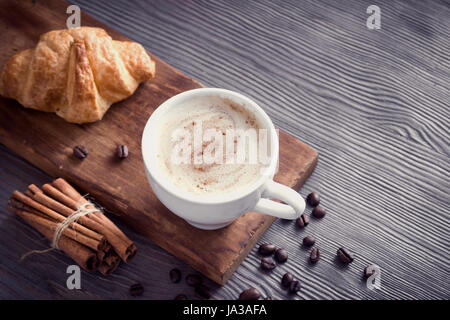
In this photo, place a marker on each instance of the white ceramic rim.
(152, 163)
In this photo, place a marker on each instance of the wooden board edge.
(245, 251)
(309, 170)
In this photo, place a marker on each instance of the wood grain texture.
(375, 104)
(121, 186)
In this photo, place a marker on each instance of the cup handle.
(295, 203)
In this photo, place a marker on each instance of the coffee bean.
(136, 290)
(319, 212)
(303, 221)
(294, 286)
(80, 152)
(180, 297)
(250, 294)
(266, 249)
(203, 291)
(315, 255)
(344, 255)
(122, 151)
(175, 275)
(287, 279)
(281, 255)
(313, 199)
(268, 263)
(309, 241)
(193, 280)
(368, 273)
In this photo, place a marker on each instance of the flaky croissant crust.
(76, 73)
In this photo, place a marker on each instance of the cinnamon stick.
(124, 247)
(109, 264)
(93, 241)
(55, 215)
(45, 222)
(65, 210)
(81, 254)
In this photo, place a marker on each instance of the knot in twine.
(73, 218)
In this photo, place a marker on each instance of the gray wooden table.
(375, 104)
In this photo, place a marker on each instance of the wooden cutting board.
(46, 141)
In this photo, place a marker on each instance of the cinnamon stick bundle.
(93, 241)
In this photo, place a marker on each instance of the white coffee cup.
(211, 212)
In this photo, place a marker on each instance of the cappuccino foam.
(212, 146)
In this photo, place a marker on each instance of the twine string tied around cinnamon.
(82, 211)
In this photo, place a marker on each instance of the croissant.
(76, 73)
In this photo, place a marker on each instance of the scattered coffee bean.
(294, 286)
(136, 290)
(203, 291)
(193, 280)
(287, 279)
(80, 152)
(180, 297)
(303, 221)
(309, 241)
(281, 255)
(315, 255)
(367, 272)
(175, 275)
(268, 263)
(250, 294)
(319, 212)
(266, 249)
(344, 255)
(122, 151)
(313, 199)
